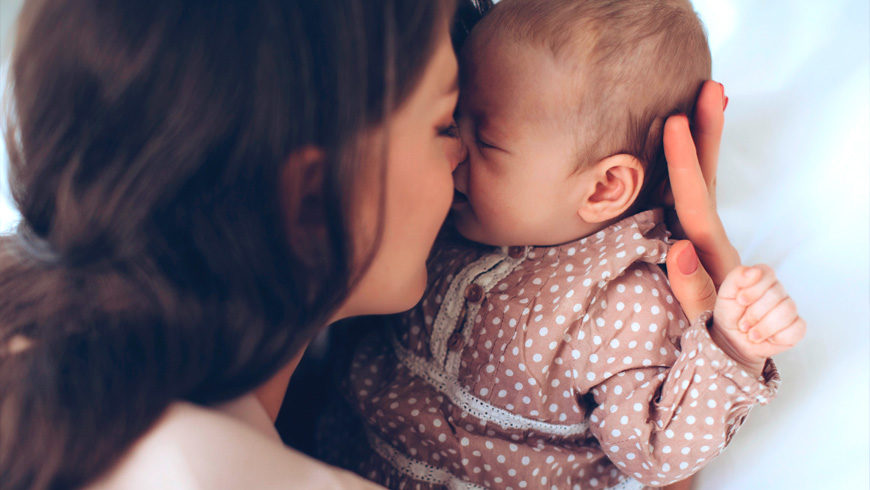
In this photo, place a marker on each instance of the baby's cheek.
(514, 222)
(497, 203)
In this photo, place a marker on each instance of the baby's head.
(562, 107)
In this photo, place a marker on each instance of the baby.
(559, 358)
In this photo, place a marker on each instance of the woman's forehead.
(441, 76)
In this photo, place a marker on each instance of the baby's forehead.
(564, 28)
(514, 79)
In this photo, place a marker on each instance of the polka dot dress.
(544, 367)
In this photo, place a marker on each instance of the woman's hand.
(692, 169)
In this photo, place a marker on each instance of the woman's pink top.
(234, 446)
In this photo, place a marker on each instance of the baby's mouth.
(459, 199)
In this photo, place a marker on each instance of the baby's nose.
(457, 154)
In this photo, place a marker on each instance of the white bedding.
(794, 192)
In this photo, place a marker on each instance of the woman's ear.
(301, 181)
(614, 184)
(302, 201)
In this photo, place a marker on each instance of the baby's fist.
(754, 318)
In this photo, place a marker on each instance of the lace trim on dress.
(451, 306)
(428, 473)
(449, 385)
(415, 469)
(486, 281)
(627, 484)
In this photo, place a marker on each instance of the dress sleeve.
(665, 400)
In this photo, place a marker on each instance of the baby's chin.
(471, 229)
(467, 224)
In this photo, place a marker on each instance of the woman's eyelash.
(450, 131)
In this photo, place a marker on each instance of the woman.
(204, 185)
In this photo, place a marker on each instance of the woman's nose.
(457, 153)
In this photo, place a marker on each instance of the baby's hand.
(754, 318)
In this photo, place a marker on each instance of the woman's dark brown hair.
(156, 260)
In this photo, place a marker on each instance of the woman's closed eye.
(448, 130)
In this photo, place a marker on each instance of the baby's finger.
(760, 307)
(776, 319)
(791, 335)
(764, 279)
(737, 280)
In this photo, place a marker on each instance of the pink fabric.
(234, 446)
(532, 367)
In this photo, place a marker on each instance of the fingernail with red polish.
(688, 260)
(725, 105)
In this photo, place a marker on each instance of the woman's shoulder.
(231, 446)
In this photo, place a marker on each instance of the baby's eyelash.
(483, 144)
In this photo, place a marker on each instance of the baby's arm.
(754, 318)
(661, 413)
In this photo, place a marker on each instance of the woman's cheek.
(436, 192)
(446, 187)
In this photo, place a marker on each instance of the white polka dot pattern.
(556, 366)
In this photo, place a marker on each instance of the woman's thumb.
(691, 284)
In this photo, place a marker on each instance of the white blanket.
(794, 192)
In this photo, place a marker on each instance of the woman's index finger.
(707, 131)
(687, 180)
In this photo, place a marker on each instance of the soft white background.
(794, 192)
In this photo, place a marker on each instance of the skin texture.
(692, 165)
(520, 184)
(422, 153)
(519, 178)
(693, 157)
(754, 318)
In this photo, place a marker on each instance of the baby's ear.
(614, 184)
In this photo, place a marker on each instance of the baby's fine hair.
(637, 62)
